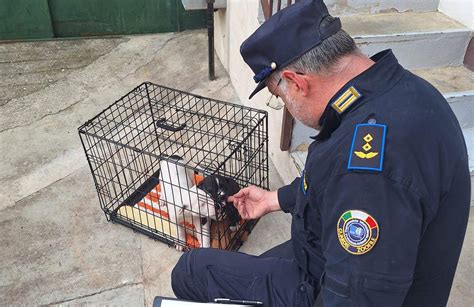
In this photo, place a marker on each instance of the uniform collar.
(374, 81)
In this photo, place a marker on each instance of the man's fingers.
(238, 199)
(238, 194)
(236, 202)
(243, 192)
(240, 207)
(242, 211)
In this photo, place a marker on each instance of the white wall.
(461, 10)
(233, 26)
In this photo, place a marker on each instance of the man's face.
(296, 104)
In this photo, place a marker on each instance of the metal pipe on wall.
(210, 35)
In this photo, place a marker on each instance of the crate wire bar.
(155, 127)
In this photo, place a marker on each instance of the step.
(469, 137)
(412, 36)
(457, 86)
(345, 7)
(353, 7)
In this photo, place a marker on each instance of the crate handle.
(161, 123)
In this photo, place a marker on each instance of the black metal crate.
(163, 162)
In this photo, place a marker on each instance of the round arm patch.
(357, 231)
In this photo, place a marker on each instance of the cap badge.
(265, 72)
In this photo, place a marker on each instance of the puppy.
(220, 188)
(186, 202)
(175, 181)
(199, 206)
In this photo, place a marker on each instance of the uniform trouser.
(273, 278)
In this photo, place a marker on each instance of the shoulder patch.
(368, 146)
(357, 231)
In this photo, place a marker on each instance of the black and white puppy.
(220, 188)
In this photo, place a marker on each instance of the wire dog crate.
(164, 162)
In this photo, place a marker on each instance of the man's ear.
(297, 83)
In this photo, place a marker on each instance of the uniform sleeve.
(287, 195)
(371, 229)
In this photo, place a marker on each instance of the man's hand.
(253, 202)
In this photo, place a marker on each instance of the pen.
(244, 302)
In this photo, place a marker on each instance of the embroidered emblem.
(367, 148)
(357, 231)
(304, 183)
(366, 154)
(346, 99)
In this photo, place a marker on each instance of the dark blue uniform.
(382, 206)
(380, 231)
(414, 194)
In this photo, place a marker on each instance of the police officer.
(380, 211)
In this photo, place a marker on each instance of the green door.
(99, 17)
(20, 19)
(25, 19)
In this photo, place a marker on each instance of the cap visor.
(259, 87)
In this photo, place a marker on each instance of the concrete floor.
(56, 245)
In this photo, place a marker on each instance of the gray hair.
(323, 58)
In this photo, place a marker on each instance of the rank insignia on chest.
(357, 231)
(368, 145)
